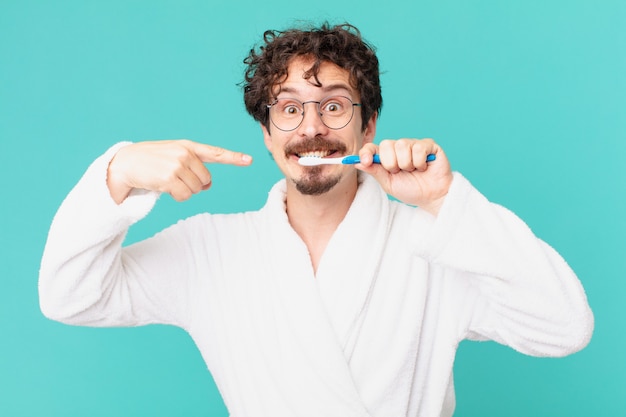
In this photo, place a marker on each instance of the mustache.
(315, 144)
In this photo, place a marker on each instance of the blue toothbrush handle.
(431, 157)
(351, 159)
(354, 159)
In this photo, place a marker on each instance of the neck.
(315, 218)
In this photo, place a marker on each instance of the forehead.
(332, 79)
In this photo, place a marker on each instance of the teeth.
(315, 154)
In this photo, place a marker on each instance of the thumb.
(368, 166)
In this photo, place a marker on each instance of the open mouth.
(316, 154)
(316, 147)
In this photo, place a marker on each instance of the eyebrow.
(325, 88)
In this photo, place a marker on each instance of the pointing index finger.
(215, 154)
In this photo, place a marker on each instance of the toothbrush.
(310, 161)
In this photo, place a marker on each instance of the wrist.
(434, 206)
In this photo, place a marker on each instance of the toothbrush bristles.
(312, 161)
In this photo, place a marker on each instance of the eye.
(333, 105)
(291, 110)
(288, 108)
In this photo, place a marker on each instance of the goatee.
(314, 183)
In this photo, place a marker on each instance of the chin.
(313, 183)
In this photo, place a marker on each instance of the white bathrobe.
(372, 334)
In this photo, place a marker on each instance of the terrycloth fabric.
(372, 334)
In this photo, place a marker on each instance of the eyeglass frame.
(318, 104)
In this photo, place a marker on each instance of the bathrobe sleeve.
(86, 278)
(510, 286)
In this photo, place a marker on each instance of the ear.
(370, 129)
(267, 138)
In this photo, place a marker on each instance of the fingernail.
(246, 158)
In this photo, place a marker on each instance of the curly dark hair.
(341, 45)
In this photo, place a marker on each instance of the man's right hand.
(172, 166)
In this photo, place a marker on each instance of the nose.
(312, 124)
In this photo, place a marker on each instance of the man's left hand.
(405, 174)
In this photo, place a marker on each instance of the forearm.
(526, 296)
(83, 249)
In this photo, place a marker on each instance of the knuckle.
(178, 171)
(181, 154)
(234, 157)
(170, 177)
(219, 153)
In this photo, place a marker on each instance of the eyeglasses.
(288, 113)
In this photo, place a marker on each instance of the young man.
(331, 300)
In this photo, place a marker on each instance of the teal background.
(527, 97)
